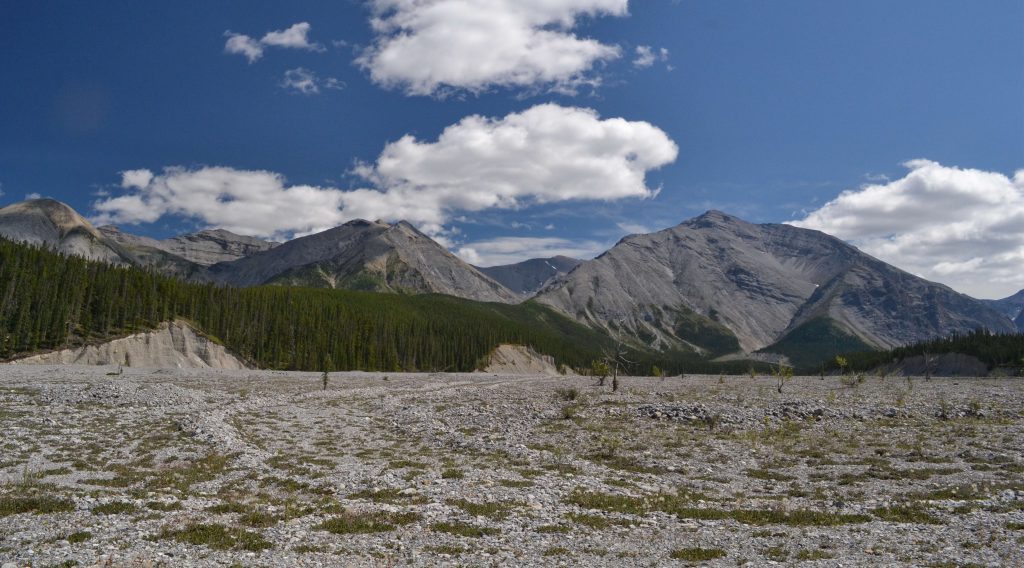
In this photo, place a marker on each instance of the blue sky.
(766, 110)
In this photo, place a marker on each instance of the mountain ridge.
(761, 282)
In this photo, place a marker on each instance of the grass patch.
(114, 508)
(697, 554)
(366, 523)
(596, 521)
(464, 529)
(453, 473)
(11, 505)
(678, 505)
(161, 506)
(553, 529)
(77, 537)
(492, 510)
(217, 537)
(555, 551)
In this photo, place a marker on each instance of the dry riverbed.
(259, 468)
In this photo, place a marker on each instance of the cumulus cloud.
(429, 46)
(646, 56)
(295, 37)
(510, 250)
(545, 154)
(305, 82)
(962, 227)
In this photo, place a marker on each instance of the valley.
(161, 467)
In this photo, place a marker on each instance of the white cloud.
(33, 196)
(961, 227)
(136, 178)
(243, 45)
(545, 154)
(295, 37)
(646, 56)
(510, 250)
(303, 81)
(429, 47)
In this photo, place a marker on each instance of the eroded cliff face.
(174, 345)
(520, 360)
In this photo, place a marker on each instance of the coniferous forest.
(993, 349)
(51, 301)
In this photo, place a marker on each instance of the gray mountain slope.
(204, 248)
(209, 247)
(1012, 307)
(529, 276)
(57, 226)
(758, 281)
(369, 256)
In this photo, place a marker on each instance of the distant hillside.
(994, 350)
(716, 283)
(529, 276)
(1012, 307)
(361, 255)
(50, 301)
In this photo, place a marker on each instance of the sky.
(512, 129)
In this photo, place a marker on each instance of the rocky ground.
(257, 468)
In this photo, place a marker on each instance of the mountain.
(364, 255)
(58, 227)
(185, 256)
(530, 276)
(717, 283)
(1012, 307)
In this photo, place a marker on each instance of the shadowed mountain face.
(361, 255)
(529, 276)
(1012, 307)
(717, 274)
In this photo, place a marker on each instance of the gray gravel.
(532, 471)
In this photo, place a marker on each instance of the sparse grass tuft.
(114, 508)
(366, 523)
(12, 505)
(697, 554)
(907, 514)
(77, 537)
(453, 473)
(464, 529)
(217, 537)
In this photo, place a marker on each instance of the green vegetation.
(14, 505)
(993, 349)
(49, 301)
(217, 537)
(365, 523)
(814, 343)
(697, 554)
(678, 505)
(705, 332)
(77, 537)
(114, 508)
(464, 529)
